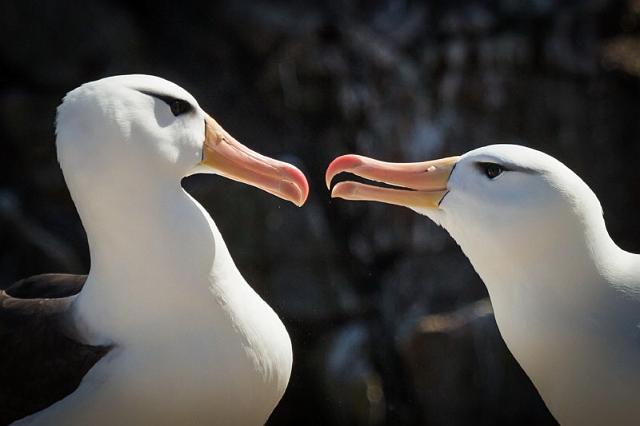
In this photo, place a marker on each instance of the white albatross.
(164, 329)
(566, 298)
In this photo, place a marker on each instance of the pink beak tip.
(344, 163)
(299, 179)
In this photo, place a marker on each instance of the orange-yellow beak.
(416, 185)
(231, 159)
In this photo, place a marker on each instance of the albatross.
(566, 298)
(164, 330)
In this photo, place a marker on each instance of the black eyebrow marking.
(178, 106)
(508, 167)
(164, 98)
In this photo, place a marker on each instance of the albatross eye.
(492, 170)
(179, 107)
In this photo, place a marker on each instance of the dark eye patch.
(491, 170)
(178, 106)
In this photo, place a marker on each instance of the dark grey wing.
(40, 360)
(47, 286)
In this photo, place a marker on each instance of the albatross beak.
(231, 159)
(417, 185)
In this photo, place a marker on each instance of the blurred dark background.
(390, 324)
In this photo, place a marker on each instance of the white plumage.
(566, 298)
(193, 343)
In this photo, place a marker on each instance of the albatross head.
(498, 202)
(145, 127)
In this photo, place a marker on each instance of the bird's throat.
(153, 255)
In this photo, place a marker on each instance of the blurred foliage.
(389, 322)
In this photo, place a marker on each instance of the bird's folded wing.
(40, 359)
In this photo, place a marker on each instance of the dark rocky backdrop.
(390, 323)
